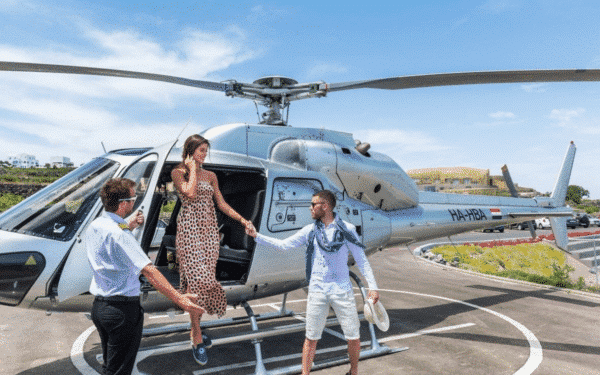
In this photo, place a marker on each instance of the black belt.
(118, 299)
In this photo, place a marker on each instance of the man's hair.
(328, 196)
(114, 190)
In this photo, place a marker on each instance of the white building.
(60, 162)
(23, 161)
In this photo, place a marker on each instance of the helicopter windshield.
(57, 211)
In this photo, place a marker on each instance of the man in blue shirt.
(117, 260)
(328, 241)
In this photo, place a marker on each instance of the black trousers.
(119, 325)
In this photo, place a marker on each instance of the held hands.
(188, 303)
(250, 230)
(136, 220)
(373, 295)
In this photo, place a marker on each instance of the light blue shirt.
(330, 270)
(115, 256)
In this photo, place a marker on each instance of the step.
(584, 244)
(589, 262)
(586, 253)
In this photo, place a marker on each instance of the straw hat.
(376, 314)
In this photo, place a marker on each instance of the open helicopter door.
(76, 276)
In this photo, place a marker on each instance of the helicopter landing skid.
(183, 327)
(376, 349)
(257, 335)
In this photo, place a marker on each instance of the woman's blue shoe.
(200, 355)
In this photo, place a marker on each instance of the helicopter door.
(76, 276)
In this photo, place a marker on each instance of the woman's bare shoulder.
(178, 170)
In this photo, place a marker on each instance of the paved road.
(452, 323)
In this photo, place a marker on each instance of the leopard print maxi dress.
(197, 244)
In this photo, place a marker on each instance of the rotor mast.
(276, 93)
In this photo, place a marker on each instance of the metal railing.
(593, 239)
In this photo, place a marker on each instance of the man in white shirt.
(328, 241)
(117, 260)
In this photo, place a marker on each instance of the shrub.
(536, 263)
(8, 200)
(530, 258)
(169, 207)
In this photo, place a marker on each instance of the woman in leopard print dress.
(197, 239)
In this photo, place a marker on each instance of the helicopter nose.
(18, 272)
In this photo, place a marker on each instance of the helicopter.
(267, 172)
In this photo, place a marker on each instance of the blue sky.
(526, 126)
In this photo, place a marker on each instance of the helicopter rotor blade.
(272, 91)
(470, 78)
(68, 69)
(309, 90)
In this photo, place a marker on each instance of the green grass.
(8, 200)
(537, 263)
(168, 208)
(26, 176)
(35, 176)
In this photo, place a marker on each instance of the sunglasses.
(128, 199)
(312, 204)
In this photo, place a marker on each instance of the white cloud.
(267, 14)
(322, 70)
(502, 115)
(399, 141)
(590, 129)
(82, 143)
(196, 55)
(71, 114)
(534, 87)
(565, 116)
(16, 5)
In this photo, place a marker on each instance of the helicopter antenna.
(257, 114)
(186, 125)
(104, 148)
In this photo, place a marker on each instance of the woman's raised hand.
(190, 162)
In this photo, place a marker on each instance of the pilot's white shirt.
(115, 257)
(329, 270)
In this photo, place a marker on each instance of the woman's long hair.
(189, 147)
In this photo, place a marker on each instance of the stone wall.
(20, 189)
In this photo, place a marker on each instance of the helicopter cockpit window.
(57, 212)
(141, 172)
(290, 204)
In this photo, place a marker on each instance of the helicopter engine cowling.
(372, 178)
(376, 179)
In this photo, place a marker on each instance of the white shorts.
(317, 310)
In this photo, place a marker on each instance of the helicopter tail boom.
(442, 214)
